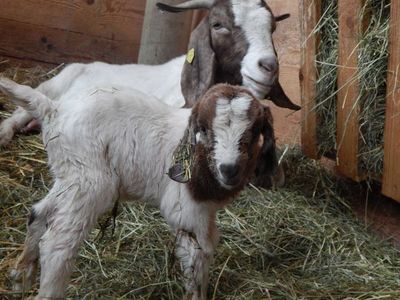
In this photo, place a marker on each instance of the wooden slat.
(50, 45)
(111, 19)
(58, 31)
(391, 169)
(310, 10)
(348, 89)
(165, 35)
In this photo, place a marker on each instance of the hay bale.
(373, 59)
(299, 242)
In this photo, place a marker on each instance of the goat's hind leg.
(77, 210)
(23, 275)
(19, 118)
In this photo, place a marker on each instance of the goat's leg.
(23, 274)
(19, 118)
(77, 211)
(195, 263)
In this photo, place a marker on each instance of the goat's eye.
(217, 26)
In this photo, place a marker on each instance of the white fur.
(230, 122)
(256, 22)
(159, 81)
(108, 144)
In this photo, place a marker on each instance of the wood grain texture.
(348, 89)
(391, 169)
(165, 35)
(310, 10)
(61, 30)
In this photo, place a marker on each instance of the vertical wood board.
(391, 169)
(348, 89)
(311, 11)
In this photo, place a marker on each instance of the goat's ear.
(282, 17)
(267, 161)
(200, 64)
(278, 96)
(183, 156)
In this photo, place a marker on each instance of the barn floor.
(312, 239)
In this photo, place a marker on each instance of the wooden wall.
(56, 31)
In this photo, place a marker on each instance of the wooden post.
(348, 89)
(391, 168)
(165, 35)
(310, 10)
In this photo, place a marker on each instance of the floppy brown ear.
(267, 163)
(199, 68)
(278, 96)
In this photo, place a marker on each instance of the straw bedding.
(299, 242)
(373, 59)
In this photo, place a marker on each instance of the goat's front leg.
(195, 263)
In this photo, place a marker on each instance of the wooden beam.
(348, 89)
(391, 168)
(56, 31)
(50, 45)
(165, 35)
(310, 10)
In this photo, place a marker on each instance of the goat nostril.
(229, 171)
(268, 64)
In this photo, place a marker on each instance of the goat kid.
(232, 45)
(118, 141)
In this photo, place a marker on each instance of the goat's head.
(233, 45)
(228, 132)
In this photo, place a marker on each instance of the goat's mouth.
(229, 183)
(257, 87)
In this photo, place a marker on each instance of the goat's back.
(120, 132)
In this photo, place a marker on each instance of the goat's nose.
(268, 64)
(229, 171)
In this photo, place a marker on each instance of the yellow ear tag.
(190, 56)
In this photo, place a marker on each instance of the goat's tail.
(32, 100)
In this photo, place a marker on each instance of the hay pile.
(373, 59)
(301, 242)
(326, 87)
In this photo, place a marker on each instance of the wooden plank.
(311, 11)
(57, 31)
(50, 45)
(112, 19)
(391, 169)
(165, 35)
(348, 89)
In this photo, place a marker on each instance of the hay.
(373, 59)
(326, 87)
(373, 63)
(300, 242)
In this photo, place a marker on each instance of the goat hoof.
(6, 134)
(22, 280)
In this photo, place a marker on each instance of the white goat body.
(239, 50)
(113, 142)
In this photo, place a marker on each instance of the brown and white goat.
(232, 45)
(120, 142)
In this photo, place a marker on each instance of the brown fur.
(203, 184)
(218, 57)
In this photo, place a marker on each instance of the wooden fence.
(347, 131)
(59, 31)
